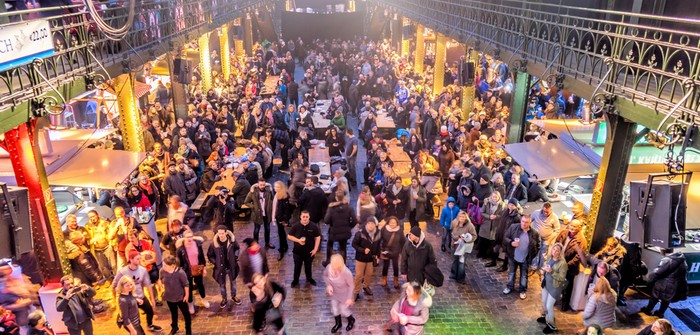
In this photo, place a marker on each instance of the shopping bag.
(578, 295)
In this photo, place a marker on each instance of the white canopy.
(552, 159)
(97, 168)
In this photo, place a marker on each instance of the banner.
(23, 42)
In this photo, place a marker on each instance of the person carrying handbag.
(391, 245)
(193, 262)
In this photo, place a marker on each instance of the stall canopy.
(556, 158)
(97, 168)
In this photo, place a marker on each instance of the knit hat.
(415, 231)
(221, 227)
(132, 254)
(171, 164)
(513, 201)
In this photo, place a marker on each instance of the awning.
(583, 133)
(140, 89)
(551, 159)
(97, 168)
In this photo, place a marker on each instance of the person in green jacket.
(339, 120)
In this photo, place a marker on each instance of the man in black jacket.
(313, 200)
(74, 302)
(522, 244)
(669, 281)
(340, 219)
(415, 256)
(516, 190)
(223, 253)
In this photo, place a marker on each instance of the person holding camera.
(220, 209)
(74, 302)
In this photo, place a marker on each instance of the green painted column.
(520, 98)
(607, 193)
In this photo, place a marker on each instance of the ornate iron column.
(129, 114)
(247, 23)
(468, 85)
(420, 48)
(405, 38)
(607, 193)
(47, 235)
(521, 93)
(225, 51)
(205, 62)
(238, 45)
(440, 56)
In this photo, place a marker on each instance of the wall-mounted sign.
(23, 42)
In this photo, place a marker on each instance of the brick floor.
(478, 307)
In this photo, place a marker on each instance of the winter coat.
(342, 285)
(364, 240)
(488, 226)
(572, 257)
(240, 191)
(420, 202)
(284, 210)
(669, 278)
(209, 177)
(599, 312)
(341, 219)
(513, 232)
(397, 243)
(398, 210)
(448, 214)
(245, 267)
(420, 315)
(520, 193)
(458, 231)
(83, 298)
(218, 253)
(414, 258)
(446, 159)
(503, 222)
(184, 259)
(252, 200)
(314, 201)
(555, 281)
(174, 184)
(613, 276)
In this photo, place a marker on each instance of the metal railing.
(653, 60)
(82, 50)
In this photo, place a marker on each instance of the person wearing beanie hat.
(142, 281)
(415, 256)
(509, 216)
(223, 252)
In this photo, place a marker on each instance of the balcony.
(651, 60)
(84, 52)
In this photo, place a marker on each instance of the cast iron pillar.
(469, 85)
(420, 48)
(247, 23)
(604, 212)
(129, 115)
(238, 45)
(225, 52)
(440, 57)
(521, 95)
(405, 38)
(205, 62)
(28, 165)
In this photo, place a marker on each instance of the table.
(385, 124)
(318, 154)
(318, 115)
(270, 85)
(396, 152)
(226, 177)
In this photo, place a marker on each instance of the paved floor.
(478, 307)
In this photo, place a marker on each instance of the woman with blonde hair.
(600, 308)
(281, 214)
(339, 287)
(463, 237)
(553, 284)
(129, 306)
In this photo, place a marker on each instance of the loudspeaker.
(665, 223)
(17, 242)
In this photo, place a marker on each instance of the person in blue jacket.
(449, 213)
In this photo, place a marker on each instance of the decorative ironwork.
(81, 48)
(651, 61)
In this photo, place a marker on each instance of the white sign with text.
(23, 42)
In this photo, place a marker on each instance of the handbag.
(120, 320)
(386, 253)
(578, 293)
(197, 270)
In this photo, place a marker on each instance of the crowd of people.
(454, 158)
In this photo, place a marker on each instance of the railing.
(82, 49)
(653, 60)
